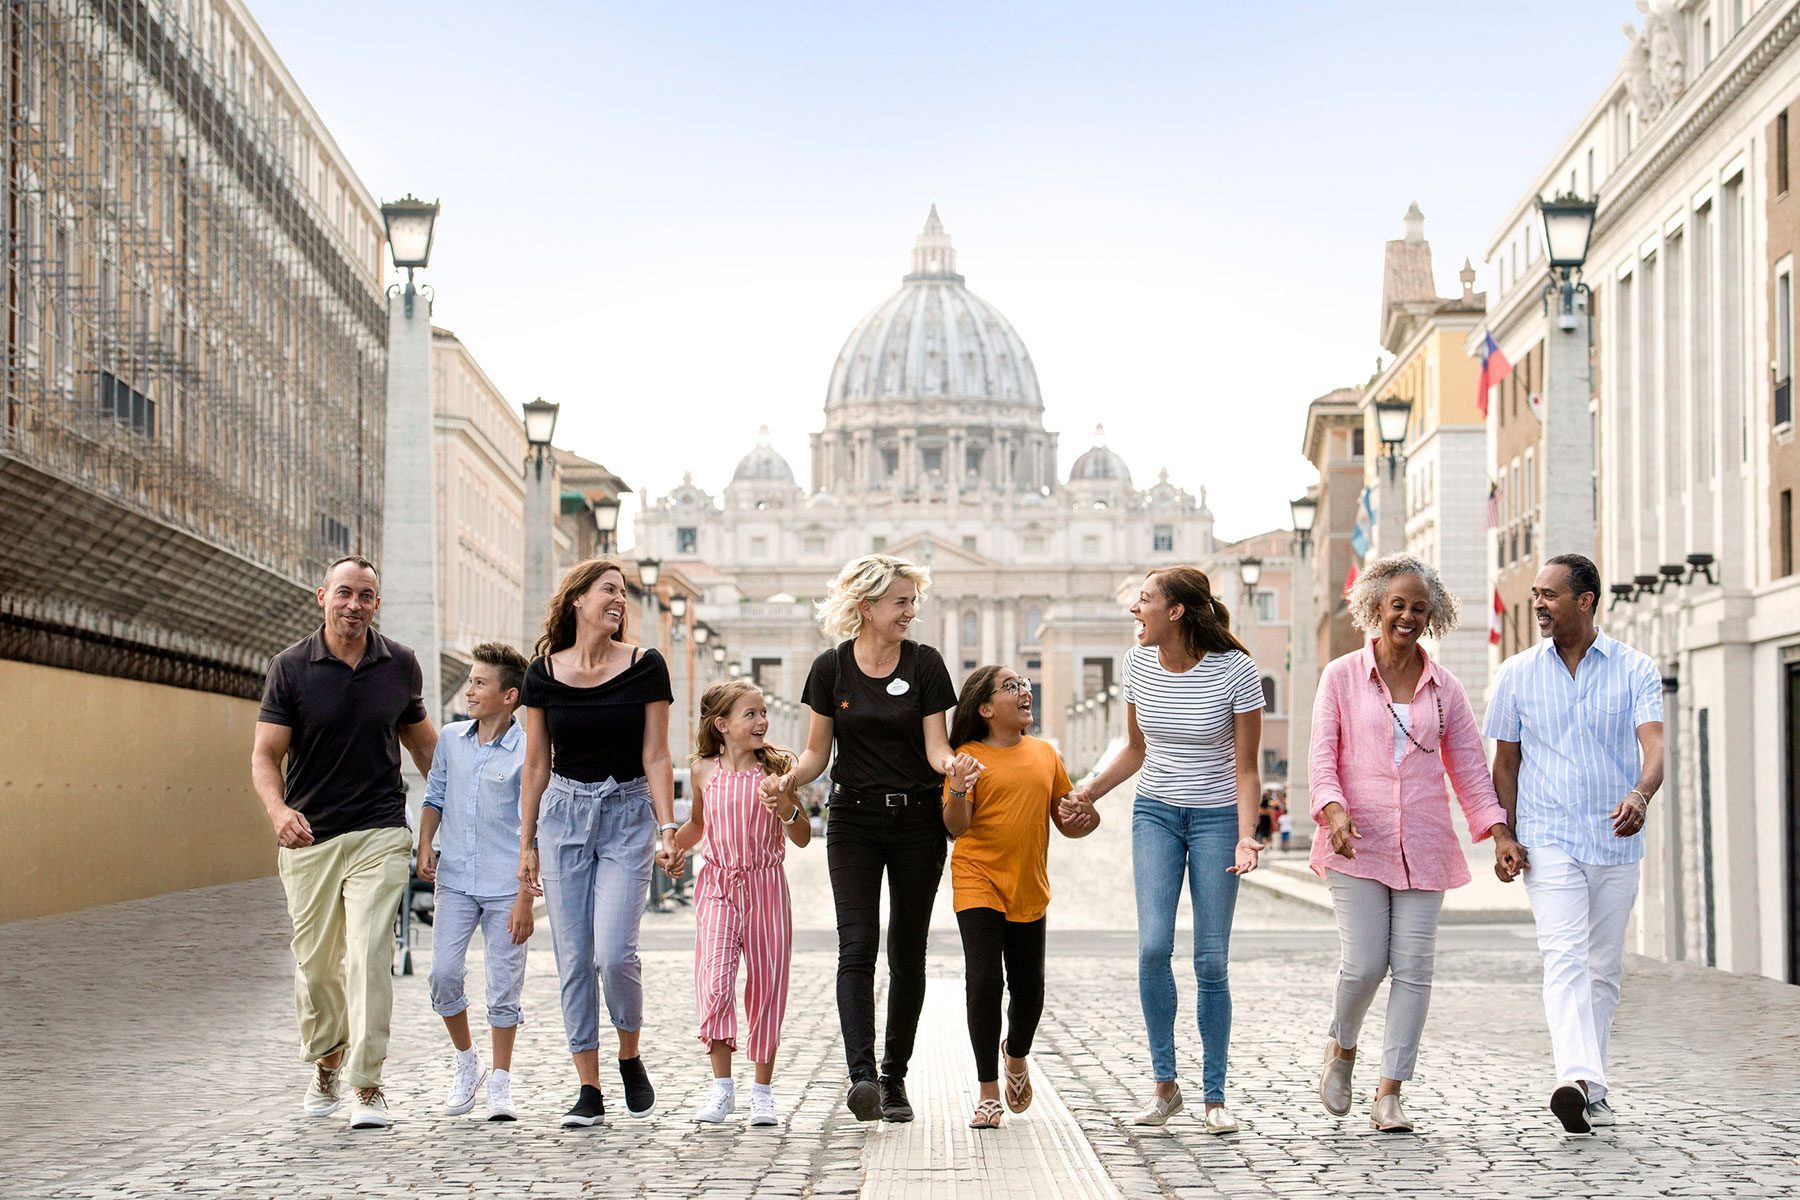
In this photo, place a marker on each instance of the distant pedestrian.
(742, 910)
(1000, 815)
(1286, 824)
(338, 706)
(879, 698)
(597, 763)
(472, 806)
(1578, 722)
(1265, 820)
(1389, 726)
(1193, 720)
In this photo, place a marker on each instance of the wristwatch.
(799, 811)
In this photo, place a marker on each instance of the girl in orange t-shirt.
(1000, 816)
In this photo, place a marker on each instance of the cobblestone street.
(152, 1053)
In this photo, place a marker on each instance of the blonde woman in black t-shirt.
(880, 699)
(597, 783)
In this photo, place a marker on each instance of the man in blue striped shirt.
(1578, 724)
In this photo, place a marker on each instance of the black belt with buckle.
(844, 795)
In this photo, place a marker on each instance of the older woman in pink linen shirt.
(1388, 727)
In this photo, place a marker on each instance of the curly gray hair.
(1371, 588)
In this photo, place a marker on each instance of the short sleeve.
(817, 693)
(414, 712)
(1246, 686)
(277, 701)
(1059, 784)
(532, 694)
(1646, 693)
(656, 679)
(1502, 720)
(936, 693)
(1131, 661)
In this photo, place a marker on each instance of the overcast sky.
(668, 216)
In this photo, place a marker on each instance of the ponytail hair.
(718, 701)
(1205, 621)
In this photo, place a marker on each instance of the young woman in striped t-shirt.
(741, 904)
(1193, 718)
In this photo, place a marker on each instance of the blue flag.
(1364, 528)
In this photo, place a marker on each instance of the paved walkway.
(150, 1050)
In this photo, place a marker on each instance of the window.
(1090, 545)
(877, 544)
(1034, 616)
(765, 673)
(126, 405)
(971, 632)
(1785, 552)
(972, 460)
(814, 544)
(890, 463)
(1265, 607)
(1268, 687)
(1781, 152)
(968, 542)
(1356, 442)
(1034, 543)
(1163, 540)
(335, 534)
(1706, 41)
(932, 459)
(1784, 349)
(687, 540)
(759, 547)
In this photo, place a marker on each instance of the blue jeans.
(596, 847)
(1167, 841)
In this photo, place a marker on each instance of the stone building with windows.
(193, 370)
(1688, 148)
(934, 448)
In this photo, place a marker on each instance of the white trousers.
(1581, 910)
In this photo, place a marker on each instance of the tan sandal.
(1018, 1087)
(987, 1115)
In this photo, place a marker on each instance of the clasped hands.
(1076, 813)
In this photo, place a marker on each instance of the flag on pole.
(1493, 505)
(1350, 579)
(1495, 619)
(1494, 368)
(1364, 529)
(1535, 402)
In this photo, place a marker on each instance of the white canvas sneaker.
(465, 1080)
(720, 1103)
(325, 1092)
(370, 1110)
(762, 1108)
(499, 1104)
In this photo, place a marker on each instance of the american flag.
(1493, 505)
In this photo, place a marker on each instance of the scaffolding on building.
(194, 362)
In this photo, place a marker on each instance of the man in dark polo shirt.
(338, 706)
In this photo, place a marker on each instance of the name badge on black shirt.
(898, 687)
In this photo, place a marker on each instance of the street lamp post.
(681, 647)
(1392, 418)
(649, 571)
(410, 611)
(540, 511)
(1568, 439)
(606, 520)
(1303, 670)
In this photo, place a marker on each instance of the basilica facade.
(934, 449)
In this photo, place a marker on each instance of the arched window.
(1268, 686)
(970, 630)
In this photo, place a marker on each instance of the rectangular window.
(1356, 442)
(1784, 349)
(1781, 153)
(1164, 539)
(687, 540)
(1034, 543)
(968, 542)
(1266, 610)
(759, 547)
(932, 460)
(126, 405)
(1090, 546)
(877, 544)
(766, 672)
(1785, 558)
(814, 545)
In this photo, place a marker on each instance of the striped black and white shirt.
(1190, 751)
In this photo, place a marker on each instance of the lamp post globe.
(1568, 229)
(678, 606)
(718, 653)
(649, 571)
(1250, 571)
(701, 634)
(1305, 513)
(1392, 416)
(606, 520)
(411, 225)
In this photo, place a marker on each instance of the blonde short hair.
(865, 578)
(1371, 588)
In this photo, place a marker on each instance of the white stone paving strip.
(1041, 1152)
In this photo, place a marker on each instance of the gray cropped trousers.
(1384, 931)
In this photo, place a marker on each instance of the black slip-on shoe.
(640, 1097)
(1569, 1102)
(894, 1105)
(865, 1099)
(590, 1109)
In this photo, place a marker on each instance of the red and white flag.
(1494, 620)
(1350, 579)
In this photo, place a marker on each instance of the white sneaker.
(370, 1111)
(465, 1080)
(325, 1092)
(762, 1108)
(500, 1105)
(1600, 1113)
(720, 1103)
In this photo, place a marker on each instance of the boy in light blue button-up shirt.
(472, 805)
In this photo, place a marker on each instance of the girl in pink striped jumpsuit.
(741, 901)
